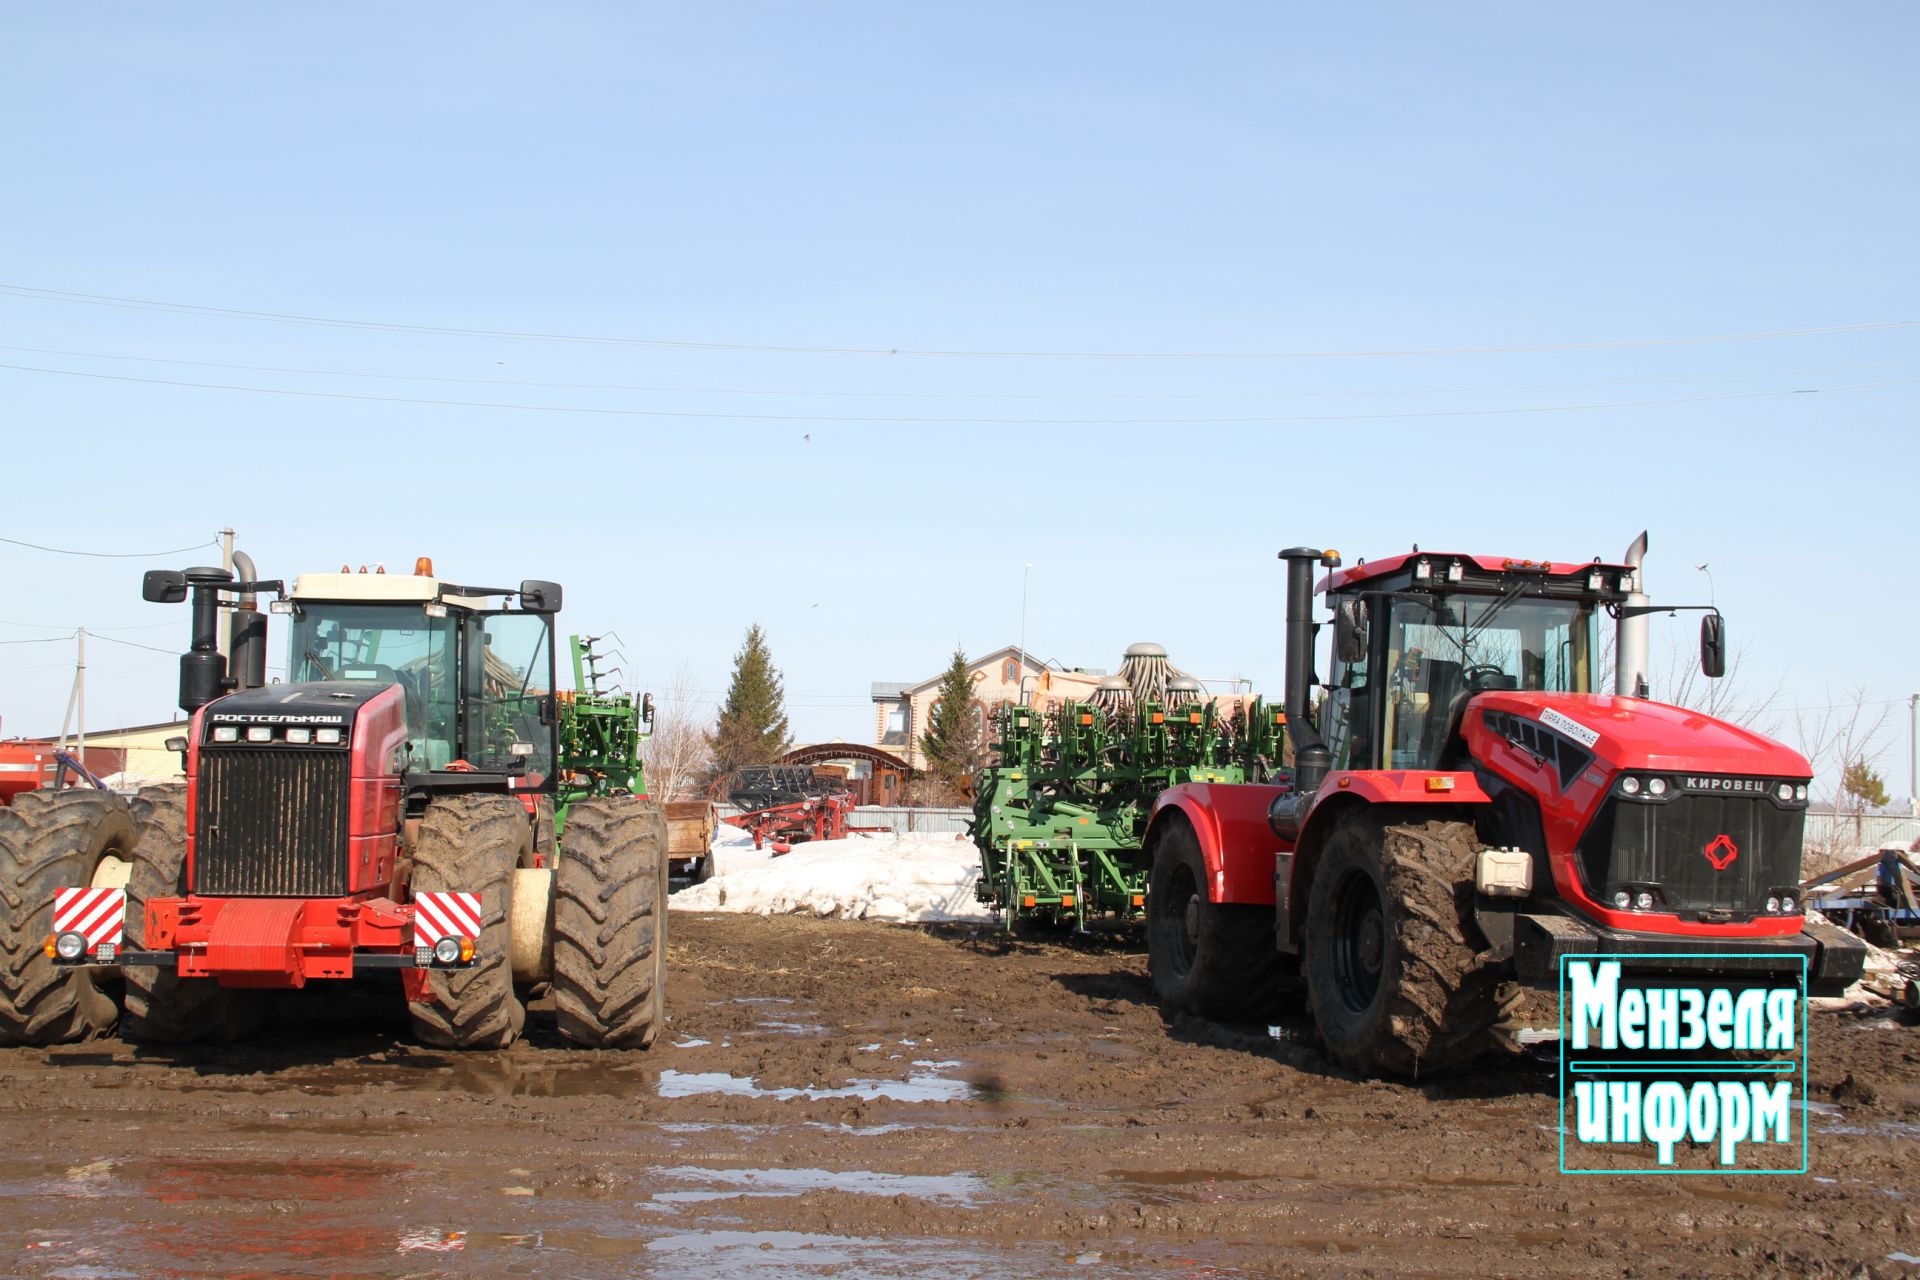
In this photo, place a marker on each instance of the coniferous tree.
(952, 743)
(752, 728)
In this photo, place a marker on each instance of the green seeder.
(1058, 818)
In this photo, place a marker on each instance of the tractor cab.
(477, 677)
(1416, 636)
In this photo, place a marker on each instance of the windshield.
(1442, 650)
(393, 644)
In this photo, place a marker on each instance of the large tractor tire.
(610, 923)
(1393, 976)
(473, 844)
(163, 1007)
(52, 840)
(1215, 960)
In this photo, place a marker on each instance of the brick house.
(901, 710)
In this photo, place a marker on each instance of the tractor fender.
(1229, 820)
(1389, 793)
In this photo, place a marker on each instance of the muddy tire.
(1392, 973)
(52, 840)
(472, 844)
(1211, 959)
(163, 1007)
(610, 923)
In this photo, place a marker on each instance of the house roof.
(889, 689)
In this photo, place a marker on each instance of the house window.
(896, 730)
(1010, 671)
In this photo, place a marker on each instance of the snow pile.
(863, 877)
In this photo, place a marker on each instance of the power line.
(796, 393)
(947, 421)
(110, 555)
(388, 326)
(134, 645)
(44, 639)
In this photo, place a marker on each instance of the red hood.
(1634, 733)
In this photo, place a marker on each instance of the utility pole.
(1913, 756)
(1025, 579)
(77, 700)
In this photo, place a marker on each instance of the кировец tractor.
(1465, 808)
(381, 810)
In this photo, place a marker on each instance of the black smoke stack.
(1311, 759)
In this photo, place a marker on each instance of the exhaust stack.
(1311, 759)
(1631, 645)
(248, 636)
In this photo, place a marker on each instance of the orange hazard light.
(1066, 899)
(1028, 901)
(1439, 784)
(423, 567)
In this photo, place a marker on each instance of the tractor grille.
(1665, 845)
(272, 823)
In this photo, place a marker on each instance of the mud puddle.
(923, 1086)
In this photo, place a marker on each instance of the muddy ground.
(863, 1100)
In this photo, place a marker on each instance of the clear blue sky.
(1009, 178)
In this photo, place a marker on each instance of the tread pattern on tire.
(610, 923)
(1238, 972)
(162, 1006)
(472, 844)
(51, 840)
(1440, 1000)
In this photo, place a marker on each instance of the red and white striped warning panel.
(440, 915)
(99, 914)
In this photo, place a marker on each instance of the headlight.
(1630, 786)
(1800, 792)
(328, 737)
(259, 733)
(1645, 901)
(1623, 900)
(1784, 791)
(447, 950)
(1773, 906)
(70, 946)
(1786, 905)
(1656, 786)
(302, 736)
(226, 733)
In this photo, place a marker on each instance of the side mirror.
(164, 586)
(537, 596)
(1350, 630)
(646, 708)
(1713, 646)
(549, 710)
(176, 743)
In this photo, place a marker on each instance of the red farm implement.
(785, 805)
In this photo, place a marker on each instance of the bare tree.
(1677, 679)
(1849, 733)
(677, 756)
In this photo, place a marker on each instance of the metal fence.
(898, 819)
(1834, 832)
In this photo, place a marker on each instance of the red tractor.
(382, 810)
(1465, 808)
